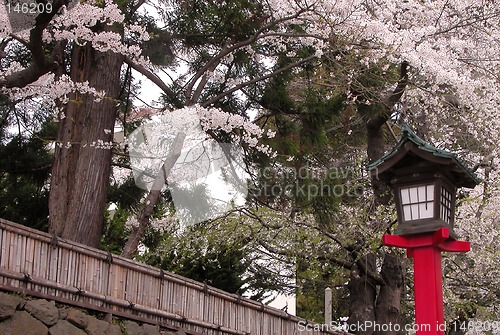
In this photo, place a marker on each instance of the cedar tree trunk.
(80, 173)
(388, 307)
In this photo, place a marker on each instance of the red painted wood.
(428, 290)
(426, 253)
(454, 246)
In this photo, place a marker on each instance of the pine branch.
(227, 50)
(256, 80)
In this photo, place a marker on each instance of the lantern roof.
(411, 150)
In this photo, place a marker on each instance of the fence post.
(328, 307)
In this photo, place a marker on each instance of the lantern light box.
(424, 180)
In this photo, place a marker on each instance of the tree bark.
(80, 173)
(362, 292)
(388, 307)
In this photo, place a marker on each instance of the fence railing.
(38, 264)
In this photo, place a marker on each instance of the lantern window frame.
(422, 225)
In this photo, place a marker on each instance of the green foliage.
(24, 173)
(276, 97)
(325, 133)
(314, 278)
(316, 113)
(158, 48)
(199, 23)
(220, 266)
(125, 195)
(115, 232)
(201, 28)
(199, 255)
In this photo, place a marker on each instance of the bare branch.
(256, 80)
(152, 198)
(155, 79)
(227, 50)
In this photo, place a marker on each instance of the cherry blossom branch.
(39, 65)
(203, 82)
(20, 40)
(467, 22)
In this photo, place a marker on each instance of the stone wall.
(28, 316)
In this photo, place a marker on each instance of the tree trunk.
(362, 292)
(388, 308)
(80, 173)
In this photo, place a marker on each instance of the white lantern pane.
(413, 194)
(406, 213)
(421, 193)
(426, 210)
(430, 192)
(414, 212)
(405, 196)
(445, 213)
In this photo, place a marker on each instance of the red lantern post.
(426, 253)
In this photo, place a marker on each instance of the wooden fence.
(38, 264)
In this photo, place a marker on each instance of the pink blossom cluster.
(450, 44)
(76, 25)
(47, 90)
(216, 119)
